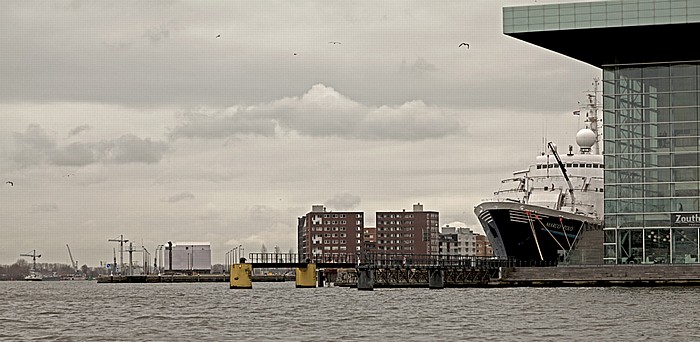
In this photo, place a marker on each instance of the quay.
(189, 278)
(432, 271)
(555, 276)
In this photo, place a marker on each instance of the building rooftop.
(609, 32)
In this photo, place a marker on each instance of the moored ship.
(550, 205)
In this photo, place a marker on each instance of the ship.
(542, 212)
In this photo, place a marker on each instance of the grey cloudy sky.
(133, 118)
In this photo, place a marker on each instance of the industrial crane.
(73, 263)
(34, 256)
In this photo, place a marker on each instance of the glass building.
(651, 125)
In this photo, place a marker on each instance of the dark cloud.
(179, 197)
(344, 201)
(35, 146)
(78, 129)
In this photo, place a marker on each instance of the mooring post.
(437, 278)
(365, 278)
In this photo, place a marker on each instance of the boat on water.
(34, 276)
(544, 210)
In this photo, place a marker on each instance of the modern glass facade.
(600, 14)
(651, 119)
(652, 176)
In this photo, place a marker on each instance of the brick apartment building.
(331, 234)
(408, 232)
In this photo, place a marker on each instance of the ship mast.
(592, 114)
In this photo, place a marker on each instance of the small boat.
(34, 276)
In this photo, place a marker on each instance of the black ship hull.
(531, 233)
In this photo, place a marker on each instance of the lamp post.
(240, 252)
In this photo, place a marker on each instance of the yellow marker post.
(242, 276)
(306, 277)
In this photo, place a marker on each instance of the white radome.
(585, 138)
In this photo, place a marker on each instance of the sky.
(225, 121)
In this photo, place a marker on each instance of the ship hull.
(531, 233)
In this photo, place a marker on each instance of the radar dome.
(585, 138)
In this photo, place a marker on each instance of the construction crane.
(73, 263)
(34, 256)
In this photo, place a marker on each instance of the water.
(85, 310)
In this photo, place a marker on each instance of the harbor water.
(85, 310)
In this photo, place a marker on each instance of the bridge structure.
(369, 270)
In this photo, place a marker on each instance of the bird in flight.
(11, 183)
(295, 54)
(218, 36)
(464, 44)
(334, 43)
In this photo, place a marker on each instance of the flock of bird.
(337, 43)
(219, 36)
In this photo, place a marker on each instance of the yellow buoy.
(242, 276)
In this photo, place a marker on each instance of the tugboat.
(552, 203)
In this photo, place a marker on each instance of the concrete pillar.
(241, 276)
(365, 278)
(437, 278)
(321, 278)
(306, 276)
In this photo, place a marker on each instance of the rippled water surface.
(80, 311)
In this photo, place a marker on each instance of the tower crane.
(34, 256)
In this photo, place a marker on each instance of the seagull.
(218, 36)
(463, 44)
(11, 183)
(334, 43)
(295, 54)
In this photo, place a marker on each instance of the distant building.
(189, 257)
(483, 246)
(457, 241)
(408, 232)
(321, 232)
(370, 239)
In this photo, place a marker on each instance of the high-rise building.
(651, 124)
(408, 232)
(332, 234)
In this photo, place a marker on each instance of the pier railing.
(387, 260)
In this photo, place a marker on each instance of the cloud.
(323, 112)
(46, 207)
(344, 201)
(132, 149)
(35, 146)
(78, 129)
(179, 197)
(420, 65)
(156, 35)
(219, 125)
